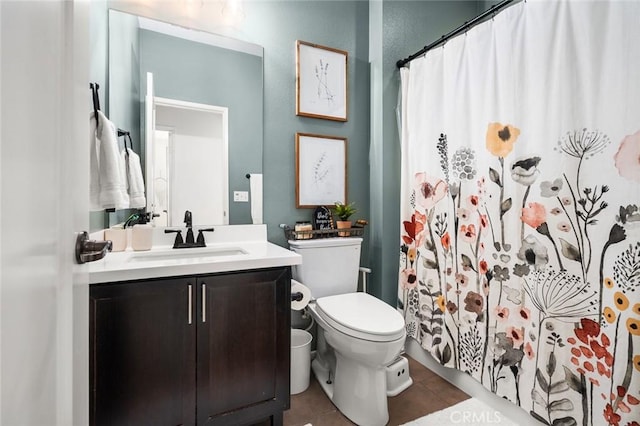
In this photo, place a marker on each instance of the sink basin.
(182, 254)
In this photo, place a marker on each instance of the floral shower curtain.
(520, 234)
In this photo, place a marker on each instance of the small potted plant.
(343, 213)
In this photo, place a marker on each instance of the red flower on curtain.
(483, 267)
(468, 233)
(611, 416)
(590, 352)
(445, 240)
(414, 228)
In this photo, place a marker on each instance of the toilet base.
(322, 376)
(398, 378)
(363, 401)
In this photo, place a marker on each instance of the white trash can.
(300, 360)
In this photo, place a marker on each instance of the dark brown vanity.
(208, 349)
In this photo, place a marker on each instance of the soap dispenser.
(117, 234)
(142, 237)
(141, 232)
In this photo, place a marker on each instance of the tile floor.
(429, 393)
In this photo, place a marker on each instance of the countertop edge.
(117, 268)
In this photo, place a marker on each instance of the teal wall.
(376, 34)
(123, 90)
(339, 24)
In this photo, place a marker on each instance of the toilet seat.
(362, 316)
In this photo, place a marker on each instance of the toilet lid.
(363, 316)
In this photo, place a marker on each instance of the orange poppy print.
(500, 138)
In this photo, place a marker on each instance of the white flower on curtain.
(520, 234)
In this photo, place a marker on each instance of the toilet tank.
(329, 265)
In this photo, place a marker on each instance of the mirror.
(191, 71)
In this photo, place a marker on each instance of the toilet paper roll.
(297, 287)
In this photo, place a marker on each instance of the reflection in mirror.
(189, 144)
(193, 68)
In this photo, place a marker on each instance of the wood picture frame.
(321, 81)
(321, 170)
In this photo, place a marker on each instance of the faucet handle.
(178, 241)
(200, 240)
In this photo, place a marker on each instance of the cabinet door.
(243, 346)
(142, 353)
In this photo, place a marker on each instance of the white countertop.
(243, 247)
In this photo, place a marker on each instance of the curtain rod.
(464, 27)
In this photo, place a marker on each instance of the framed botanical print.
(321, 82)
(321, 170)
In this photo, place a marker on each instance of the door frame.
(209, 109)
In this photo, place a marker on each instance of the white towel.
(255, 186)
(135, 183)
(107, 180)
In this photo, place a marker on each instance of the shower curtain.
(520, 234)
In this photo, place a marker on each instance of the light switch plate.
(240, 196)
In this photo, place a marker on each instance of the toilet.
(358, 334)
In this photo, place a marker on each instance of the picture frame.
(321, 170)
(321, 81)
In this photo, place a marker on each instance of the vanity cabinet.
(197, 350)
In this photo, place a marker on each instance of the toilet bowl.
(358, 334)
(358, 337)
